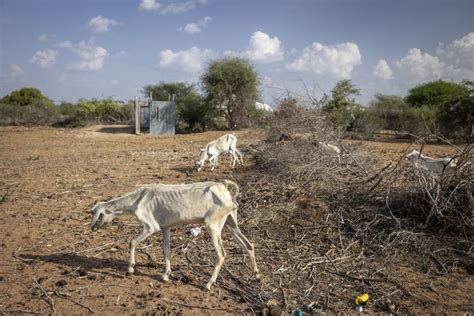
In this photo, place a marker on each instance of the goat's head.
(100, 216)
(413, 155)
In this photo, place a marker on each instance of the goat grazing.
(436, 165)
(160, 207)
(224, 144)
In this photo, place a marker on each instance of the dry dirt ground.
(50, 260)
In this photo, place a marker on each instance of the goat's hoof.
(258, 276)
(208, 286)
(166, 278)
(129, 273)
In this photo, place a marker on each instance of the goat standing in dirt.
(224, 144)
(160, 207)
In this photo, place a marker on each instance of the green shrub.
(102, 111)
(419, 120)
(390, 109)
(365, 123)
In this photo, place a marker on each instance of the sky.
(113, 48)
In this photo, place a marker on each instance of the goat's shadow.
(112, 267)
(188, 171)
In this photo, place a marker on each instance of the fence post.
(137, 116)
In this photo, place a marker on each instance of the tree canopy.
(27, 97)
(232, 83)
(435, 93)
(165, 91)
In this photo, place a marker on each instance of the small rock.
(82, 272)
(185, 279)
(92, 277)
(61, 282)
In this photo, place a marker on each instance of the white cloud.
(174, 7)
(91, 57)
(382, 70)
(460, 53)
(454, 61)
(336, 60)
(149, 5)
(263, 48)
(44, 58)
(14, 71)
(192, 60)
(196, 27)
(100, 24)
(44, 38)
(419, 67)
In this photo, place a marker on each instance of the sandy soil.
(49, 180)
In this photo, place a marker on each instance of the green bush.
(365, 123)
(419, 120)
(102, 111)
(390, 109)
(194, 110)
(11, 114)
(27, 97)
(456, 118)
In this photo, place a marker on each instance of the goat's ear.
(202, 149)
(95, 202)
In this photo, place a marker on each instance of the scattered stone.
(186, 280)
(92, 277)
(82, 272)
(61, 282)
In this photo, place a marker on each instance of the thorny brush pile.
(329, 228)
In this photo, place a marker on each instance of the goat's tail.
(234, 185)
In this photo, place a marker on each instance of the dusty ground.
(51, 177)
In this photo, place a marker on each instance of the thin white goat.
(224, 144)
(160, 207)
(435, 165)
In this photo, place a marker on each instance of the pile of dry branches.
(327, 227)
(439, 202)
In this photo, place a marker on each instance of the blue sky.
(112, 48)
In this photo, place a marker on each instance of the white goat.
(330, 150)
(224, 144)
(160, 207)
(436, 165)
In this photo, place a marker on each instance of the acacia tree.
(164, 91)
(232, 84)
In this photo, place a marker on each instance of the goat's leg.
(167, 252)
(213, 161)
(240, 154)
(247, 246)
(202, 164)
(215, 229)
(234, 157)
(133, 244)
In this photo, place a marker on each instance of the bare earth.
(51, 177)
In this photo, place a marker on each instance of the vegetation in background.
(232, 83)
(230, 89)
(192, 108)
(26, 106)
